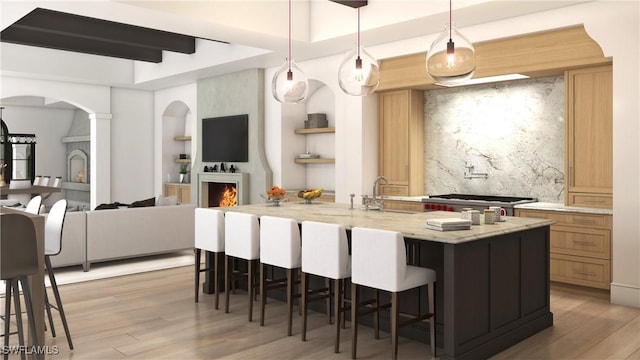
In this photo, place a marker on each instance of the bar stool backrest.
(378, 258)
(325, 250)
(18, 252)
(53, 228)
(209, 231)
(280, 242)
(33, 207)
(241, 235)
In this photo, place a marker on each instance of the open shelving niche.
(182, 138)
(326, 130)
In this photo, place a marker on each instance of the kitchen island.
(492, 289)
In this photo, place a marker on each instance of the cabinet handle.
(583, 243)
(584, 221)
(585, 273)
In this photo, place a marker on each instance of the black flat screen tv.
(225, 139)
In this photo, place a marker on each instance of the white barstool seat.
(52, 247)
(325, 252)
(45, 180)
(23, 199)
(36, 180)
(279, 246)
(379, 261)
(57, 182)
(242, 241)
(209, 236)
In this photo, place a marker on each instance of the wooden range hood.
(538, 54)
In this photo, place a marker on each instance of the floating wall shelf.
(182, 138)
(315, 161)
(316, 130)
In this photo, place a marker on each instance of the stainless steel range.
(456, 202)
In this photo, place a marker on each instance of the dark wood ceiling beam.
(23, 36)
(82, 27)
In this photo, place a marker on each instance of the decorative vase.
(182, 177)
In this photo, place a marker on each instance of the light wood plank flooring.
(153, 316)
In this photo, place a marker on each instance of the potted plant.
(184, 172)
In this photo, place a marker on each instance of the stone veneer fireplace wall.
(234, 94)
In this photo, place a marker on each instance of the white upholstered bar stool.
(379, 261)
(19, 259)
(34, 205)
(52, 247)
(241, 241)
(23, 199)
(36, 180)
(325, 252)
(209, 236)
(279, 246)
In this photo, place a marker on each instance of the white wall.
(132, 145)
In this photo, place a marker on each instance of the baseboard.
(625, 294)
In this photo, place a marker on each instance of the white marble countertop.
(546, 206)
(411, 225)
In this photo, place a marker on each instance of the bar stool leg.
(263, 293)
(304, 279)
(198, 253)
(56, 294)
(47, 307)
(432, 322)
(337, 309)
(290, 287)
(394, 325)
(251, 285)
(227, 281)
(7, 313)
(355, 301)
(29, 304)
(376, 316)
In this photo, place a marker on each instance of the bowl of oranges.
(276, 194)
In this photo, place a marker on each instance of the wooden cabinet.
(402, 205)
(181, 191)
(580, 247)
(401, 142)
(589, 137)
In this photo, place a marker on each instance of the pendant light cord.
(450, 20)
(289, 58)
(358, 32)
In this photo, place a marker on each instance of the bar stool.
(34, 205)
(242, 241)
(325, 252)
(379, 261)
(209, 236)
(52, 247)
(279, 246)
(19, 259)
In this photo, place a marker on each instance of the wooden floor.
(153, 316)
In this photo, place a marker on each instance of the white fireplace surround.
(241, 181)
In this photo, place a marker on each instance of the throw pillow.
(106, 206)
(143, 203)
(167, 201)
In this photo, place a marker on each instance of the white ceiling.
(256, 30)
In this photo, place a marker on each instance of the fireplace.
(222, 194)
(223, 189)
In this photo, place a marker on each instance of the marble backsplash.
(512, 131)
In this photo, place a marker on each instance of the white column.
(100, 177)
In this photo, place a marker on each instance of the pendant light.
(451, 58)
(290, 84)
(359, 73)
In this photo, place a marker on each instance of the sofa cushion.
(106, 206)
(143, 203)
(166, 201)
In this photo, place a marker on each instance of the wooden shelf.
(183, 160)
(315, 161)
(182, 138)
(316, 131)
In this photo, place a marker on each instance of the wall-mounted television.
(225, 139)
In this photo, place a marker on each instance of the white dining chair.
(241, 241)
(280, 247)
(209, 236)
(379, 261)
(325, 252)
(34, 205)
(52, 247)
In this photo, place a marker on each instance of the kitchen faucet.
(373, 202)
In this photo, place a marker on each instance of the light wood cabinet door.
(181, 191)
(589, 137)
(401, 141)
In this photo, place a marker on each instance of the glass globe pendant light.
(359, 73)
(451, 58)
(290, 84)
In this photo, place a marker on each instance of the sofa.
(102, 235)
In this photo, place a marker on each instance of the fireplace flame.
(229, 196)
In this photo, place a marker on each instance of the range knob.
(450, 209)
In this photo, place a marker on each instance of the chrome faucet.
(374, 202)
(375, 185)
